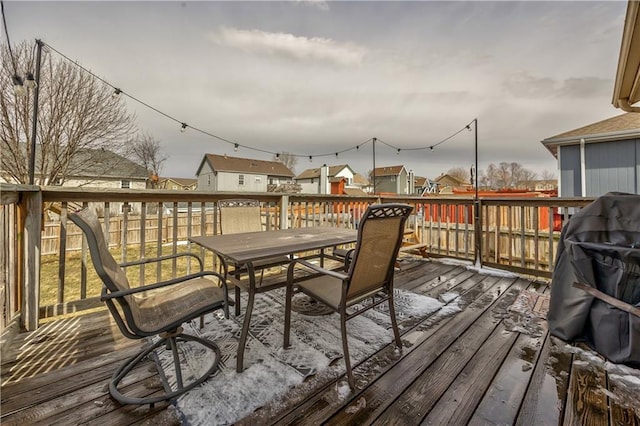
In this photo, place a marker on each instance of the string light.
(277, 156)
(235, 147)
(117, 91)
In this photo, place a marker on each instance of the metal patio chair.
(243, 215)
(369, 274)
(153, 309)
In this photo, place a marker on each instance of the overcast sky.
(313, 77)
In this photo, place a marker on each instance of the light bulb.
(310, 159)
(18, 86)
(235, 147)
(184, 127)
(116, 92)
(30, 83)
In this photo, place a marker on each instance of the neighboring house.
(318, 180)
(96, 168)
(543, 185)
(599, 158)
(392, 179)
(447, 183)
(186, 184)
(361, 182)
(100, 168)
(224, 173)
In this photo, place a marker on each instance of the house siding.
(228, 181)
(570, 174)
(611, 166)
(207, 180)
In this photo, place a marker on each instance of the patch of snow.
(448, 297)
(343, 390)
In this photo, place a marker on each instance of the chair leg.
(287, 316)
(131, 363)
(345, 348)
(394, 322)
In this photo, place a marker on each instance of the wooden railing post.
(31, 203)
(284, 211)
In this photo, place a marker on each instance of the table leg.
(247, 319)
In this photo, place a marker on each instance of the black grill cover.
(600, 247)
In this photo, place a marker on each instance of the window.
(240, 179)
(125, 184)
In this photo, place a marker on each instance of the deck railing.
(46, 261)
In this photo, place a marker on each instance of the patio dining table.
(250, 247)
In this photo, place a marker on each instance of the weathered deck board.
(468, 367)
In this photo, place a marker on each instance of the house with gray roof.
(598, 158)
(392, 179)
(224, 173)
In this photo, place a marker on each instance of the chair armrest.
(316, 268)
(161, 258)
(141, 289)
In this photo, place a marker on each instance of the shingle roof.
(182, 181)
(360, 180)
(104, 163)
(620, 123)
(314, 173)
(354, 191)
(625, 126)
(389, 171)
(225, 163)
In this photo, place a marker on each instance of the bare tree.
(288, 159)
(77, 114)
(548, 175)
(147, 151)
(460, 173)
(507, 175)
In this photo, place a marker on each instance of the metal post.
(374, 165)
(34, 128)
(476, 205)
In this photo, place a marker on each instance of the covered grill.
(595, 290)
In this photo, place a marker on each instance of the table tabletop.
(252, 246)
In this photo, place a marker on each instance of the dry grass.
(73, 266)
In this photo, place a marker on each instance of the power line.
(6, 32)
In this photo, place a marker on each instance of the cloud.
(524, 85)
(291, 46)
(320, 4)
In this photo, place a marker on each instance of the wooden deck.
(490, 363)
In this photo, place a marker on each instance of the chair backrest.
(379, 239)
(111, 274)
(239, 215)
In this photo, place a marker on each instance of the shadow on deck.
(490, 362)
